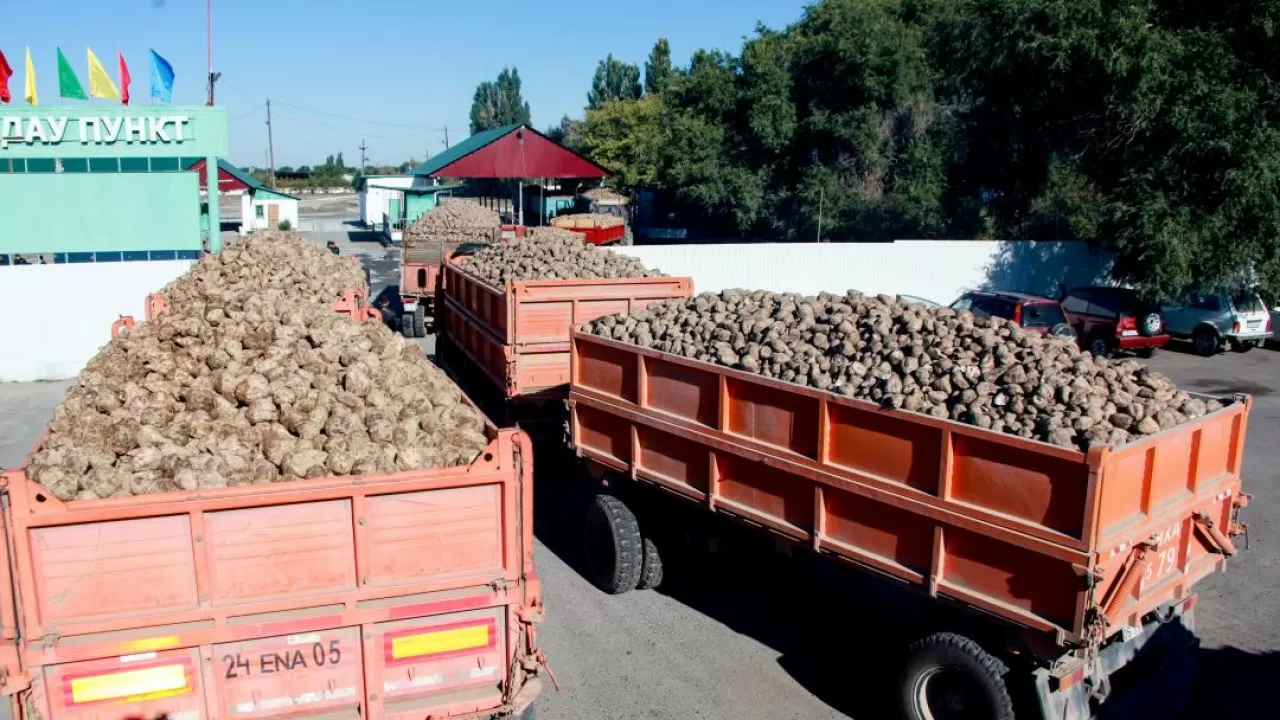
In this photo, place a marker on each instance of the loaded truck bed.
(1074, 554)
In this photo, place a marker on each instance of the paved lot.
(748, 635)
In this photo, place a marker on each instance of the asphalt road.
(737, 634)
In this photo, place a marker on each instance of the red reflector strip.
(133, 684)
(441, 641)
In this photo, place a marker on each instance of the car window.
(1246, 302)
(1077, 302)
(985, 306)
(964, 303)
(1205, 302)
(1045, 315)
(1105, 301)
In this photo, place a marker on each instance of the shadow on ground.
(1233, 684)
(366, 236)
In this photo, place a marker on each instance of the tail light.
(133, 685)
(1127, 322)
(1268, 322)
(1235, 327)
(441, 641)
(1017, 314)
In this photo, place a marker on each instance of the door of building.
(273, 216)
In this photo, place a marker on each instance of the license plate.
(1129, 333)
(1129, 632)
(1254, 323)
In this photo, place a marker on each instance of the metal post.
(215, 211)
(271, 148)
(821, 196)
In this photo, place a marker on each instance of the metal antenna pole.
(271, 148)
(363, 146)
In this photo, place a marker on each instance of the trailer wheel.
(406, 325)
(950, 676)
(615, 551)
(420, 321)
(650, 567)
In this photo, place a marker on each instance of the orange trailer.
(405, 595)
(1078, 559)
(518, 336)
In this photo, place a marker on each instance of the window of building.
(258, 211)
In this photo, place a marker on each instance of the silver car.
(1212, 321)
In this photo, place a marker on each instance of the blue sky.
(394, 72)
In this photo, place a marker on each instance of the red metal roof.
(520, 153)
(229, 178)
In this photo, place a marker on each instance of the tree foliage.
(614, 80)
(499, 103)
(657, 69)
(1149, 127)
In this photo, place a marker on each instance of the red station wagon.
(1032, 313)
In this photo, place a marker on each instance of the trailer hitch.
(1220, 542)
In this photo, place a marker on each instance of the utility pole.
(363, 146)
(446, 137)
(271, 148)
(208, 43)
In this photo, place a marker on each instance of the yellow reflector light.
(440, 641)
(157, 681)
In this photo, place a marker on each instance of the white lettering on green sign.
(102, 130)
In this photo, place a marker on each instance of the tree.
(614, 80)
(657, 69)
(568, 132)
(497, 104)
(623, 136)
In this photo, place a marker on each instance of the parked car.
(1108, 320)
(915, 299)
(1031, 312)
(1212, 321)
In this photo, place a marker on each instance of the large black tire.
(1206, 342)
(650, 567)
(1100, 346)
(614, 548)
(406, 325)
(420, 320)
(950, 676)
(1150, 324)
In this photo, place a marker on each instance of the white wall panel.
(60, 315)
(939, 270)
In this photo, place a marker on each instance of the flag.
(6, 72)
(161, 78)
(31, 81)
(124, 80)
(68, 84)
(100, 85)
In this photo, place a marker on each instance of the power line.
(348, 128)
(359, 120)
(238, 118)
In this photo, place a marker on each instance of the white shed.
(376, 193)
(262, 208)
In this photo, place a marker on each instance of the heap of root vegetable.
(550, 253)
(249, 378)
(945, 363)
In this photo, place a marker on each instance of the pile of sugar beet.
(937, 361)
(251, 377)
(550, 253)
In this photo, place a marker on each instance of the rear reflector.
(456, 638)
(131, 685)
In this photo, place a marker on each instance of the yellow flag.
(31, 81)
(100, 84)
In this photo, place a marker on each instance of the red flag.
(6, 72)
(124, 80)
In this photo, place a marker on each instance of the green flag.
(68, 84)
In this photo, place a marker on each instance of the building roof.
(511, 151)
(431, 189)
(232, 178)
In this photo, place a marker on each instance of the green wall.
(418, 204)
(75, 212)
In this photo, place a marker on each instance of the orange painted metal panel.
(519, 335)
(438, 533)
(1042, 536)
(419, 279)
(167, 684)
(312, 673)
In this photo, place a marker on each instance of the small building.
(411, 203)
(376, 192)
(261, 208)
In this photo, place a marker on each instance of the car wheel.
(1151, 324)
(1100, 346)
(1206, 342)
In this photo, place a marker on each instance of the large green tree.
(499, 103)
(614, 80)
(623, 136)
(657, 69)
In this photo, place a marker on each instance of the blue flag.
(161, 78)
